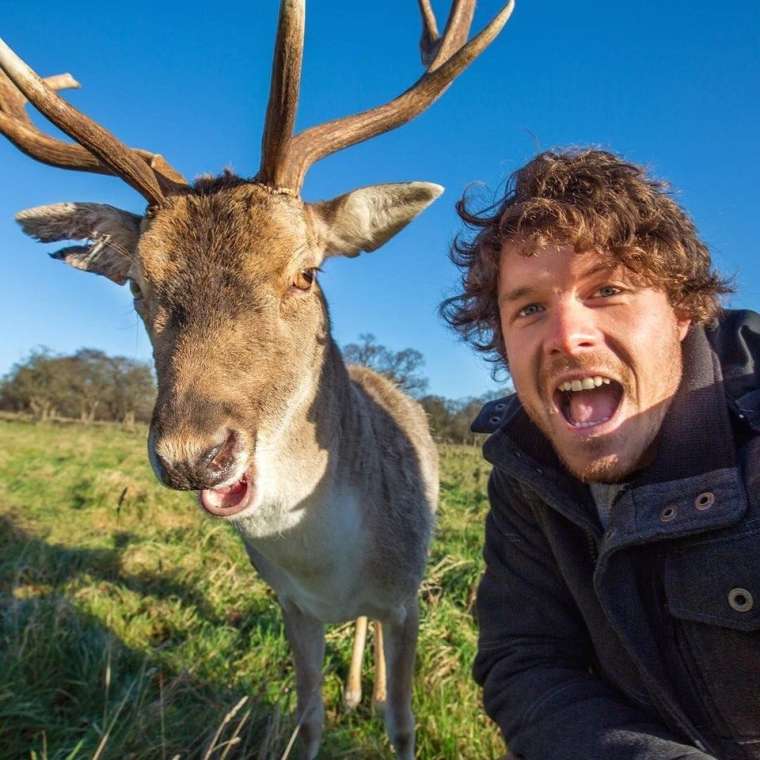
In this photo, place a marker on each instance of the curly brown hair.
(592, 200)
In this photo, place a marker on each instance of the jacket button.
(495, 419)
(740, 599)
(499, 407)
(704, 501)
(669, 513)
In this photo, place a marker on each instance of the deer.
(328, 473)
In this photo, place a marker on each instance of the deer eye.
(134, 289)
(305, 278)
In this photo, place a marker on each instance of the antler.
(434, 51)
(286, 159)
(97, 150)
(283, 92)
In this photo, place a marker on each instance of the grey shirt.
(604, 497)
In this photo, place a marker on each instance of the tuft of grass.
(132, 627)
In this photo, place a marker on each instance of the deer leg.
(379, 691)
(400, 641)
(352, 693)
(306, 636)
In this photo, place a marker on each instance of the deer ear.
(111, 235)
(366, 218)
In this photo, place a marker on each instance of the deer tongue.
(592, 406)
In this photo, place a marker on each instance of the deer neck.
(298, 460)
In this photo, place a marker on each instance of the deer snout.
(194, 463)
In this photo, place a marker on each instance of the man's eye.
(608, 291)
(529, 310)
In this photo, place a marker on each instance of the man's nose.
(572, 328)
(195, 462)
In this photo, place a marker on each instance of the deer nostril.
(210, 455)
(221, 455)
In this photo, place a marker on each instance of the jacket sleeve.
(534, 655)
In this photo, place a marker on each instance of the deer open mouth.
(589, 402)
(229, 499)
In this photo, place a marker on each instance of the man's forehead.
(523, 269)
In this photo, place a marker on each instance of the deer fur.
(345, 470)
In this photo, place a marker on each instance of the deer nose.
(191, 464)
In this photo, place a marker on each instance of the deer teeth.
(587, 383)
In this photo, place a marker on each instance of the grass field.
(132, 626)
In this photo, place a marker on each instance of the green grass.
(131, 626)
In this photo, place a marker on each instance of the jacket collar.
(736, 340)
(696, 435)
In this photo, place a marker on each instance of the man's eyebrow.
(601, 267)
(529, 291)
(517, 294)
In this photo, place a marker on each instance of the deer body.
(342, 532)
(328, 473)
(349, 536)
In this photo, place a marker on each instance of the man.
(619, 613)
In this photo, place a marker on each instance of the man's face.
(595, 357)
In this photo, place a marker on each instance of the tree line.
(90, 385)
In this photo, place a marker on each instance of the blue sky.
(672, 85)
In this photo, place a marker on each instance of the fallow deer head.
(223, 271)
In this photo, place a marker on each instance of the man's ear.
(364, 219)
(683, 322)
(111, 235)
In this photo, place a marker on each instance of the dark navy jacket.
(642, 641)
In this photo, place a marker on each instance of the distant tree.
(402, 367)
(88, 380)
(439, 416)
(450, 419)
(464, 411)
(88, 384)
(33, 385)
(132, 390)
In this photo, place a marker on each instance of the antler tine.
(284, 90)
(16, 125)
(430, 41)
(98, 150)
(317, 142)
(12, 102)
(457, 31)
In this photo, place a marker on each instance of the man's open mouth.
(588, 401)
(230, 499)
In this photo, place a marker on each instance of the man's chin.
(606, 469)
(611, 463)
(599, 459)
(613, 458)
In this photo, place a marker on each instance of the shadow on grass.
(68, 683)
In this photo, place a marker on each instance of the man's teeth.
(584, 385)
(590, 423)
